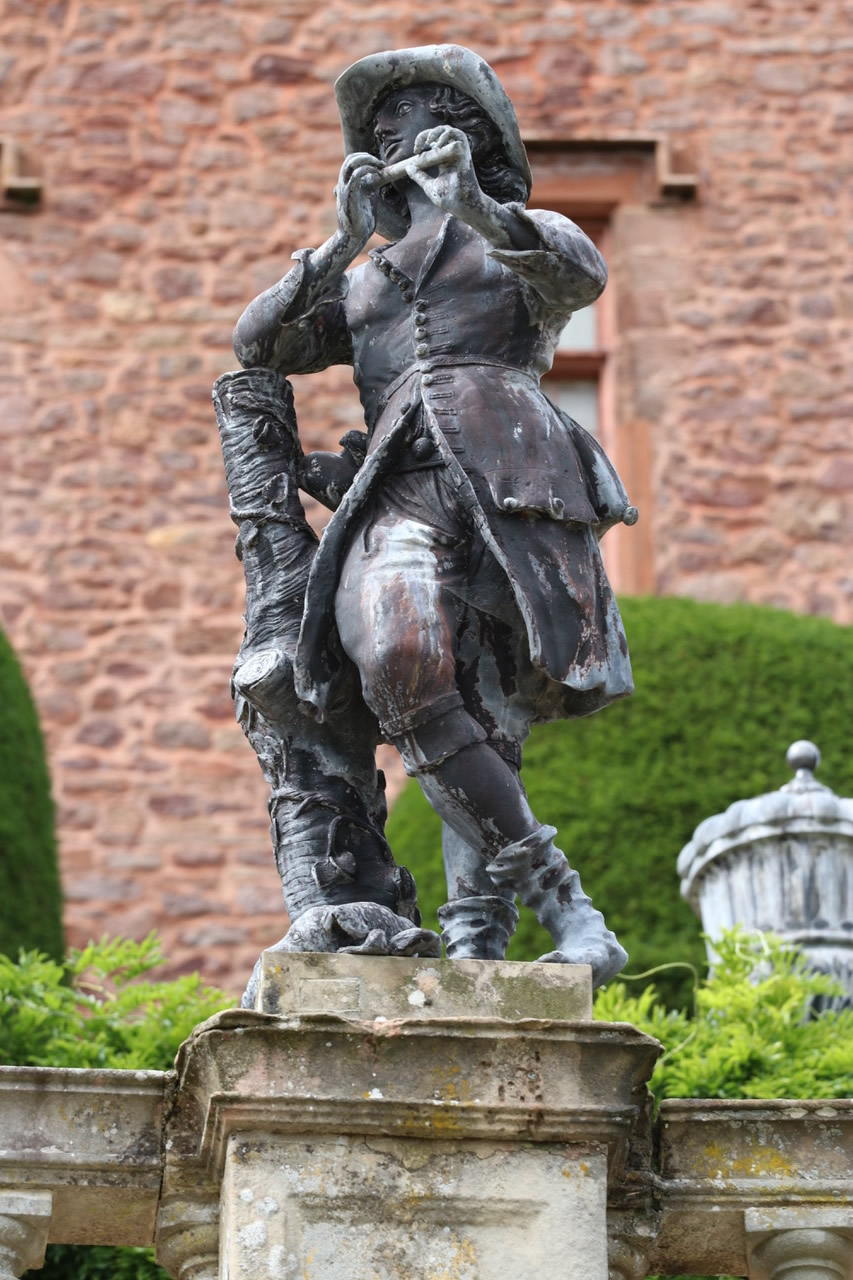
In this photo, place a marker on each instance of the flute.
(425, 160)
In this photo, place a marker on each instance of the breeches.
(409, 613)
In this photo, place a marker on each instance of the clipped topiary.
(721, 692)
(30, 895)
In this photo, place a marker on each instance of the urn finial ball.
(803, 755)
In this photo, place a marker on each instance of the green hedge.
(30, 896)
(721, 694)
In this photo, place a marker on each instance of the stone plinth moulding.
(781, 862)
(807, 1242)
(430, 1138)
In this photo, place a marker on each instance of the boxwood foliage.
(30, 896)
(721, 692)
(750, 1032)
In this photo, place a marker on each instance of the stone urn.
(781, 863)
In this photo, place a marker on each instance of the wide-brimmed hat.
(360, 87)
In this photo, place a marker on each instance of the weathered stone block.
(384, 987)
(354, 1208)
(89, 1142)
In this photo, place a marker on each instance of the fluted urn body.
(780, 862)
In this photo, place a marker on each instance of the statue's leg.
(398, 616)
(478, 919)
(503, 691)
(481, 797)
(397, 611)
(539, 872)
(341, 886)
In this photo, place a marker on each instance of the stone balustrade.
(446, 1136)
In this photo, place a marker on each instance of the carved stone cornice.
(719, 1160)
(92, 1140)
(445, 1078)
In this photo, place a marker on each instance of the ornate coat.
(462, 346)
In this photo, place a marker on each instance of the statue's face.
(400, 119)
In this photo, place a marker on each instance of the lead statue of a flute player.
(457, 595)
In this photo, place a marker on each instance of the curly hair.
(495, 173)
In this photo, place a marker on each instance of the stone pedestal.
(407, 1120)
(361, 1208)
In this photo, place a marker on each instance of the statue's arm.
(299, 325)
(564, 266)
(549, 251)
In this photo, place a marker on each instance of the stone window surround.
(588, 180)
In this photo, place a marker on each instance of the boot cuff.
(515, 859)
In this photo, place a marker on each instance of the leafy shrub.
(98, 1262)
(30, 896)
(746, 1038)
(722, 691)
(94, 1011)
(751, 1034)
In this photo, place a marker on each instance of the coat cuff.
(566, 270)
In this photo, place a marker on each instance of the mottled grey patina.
(457, 595)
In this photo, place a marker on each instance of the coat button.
(510, 504)
(408, 296)
(423, 448)
(422, 349)
(427, 379)
(420, 333)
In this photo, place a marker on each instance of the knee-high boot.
(477, 928)
(541, 876)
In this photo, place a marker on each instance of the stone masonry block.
(385, 987)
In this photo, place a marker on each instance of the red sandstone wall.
(185, 150)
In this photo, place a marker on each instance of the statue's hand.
(454, 188)
(356, 196)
